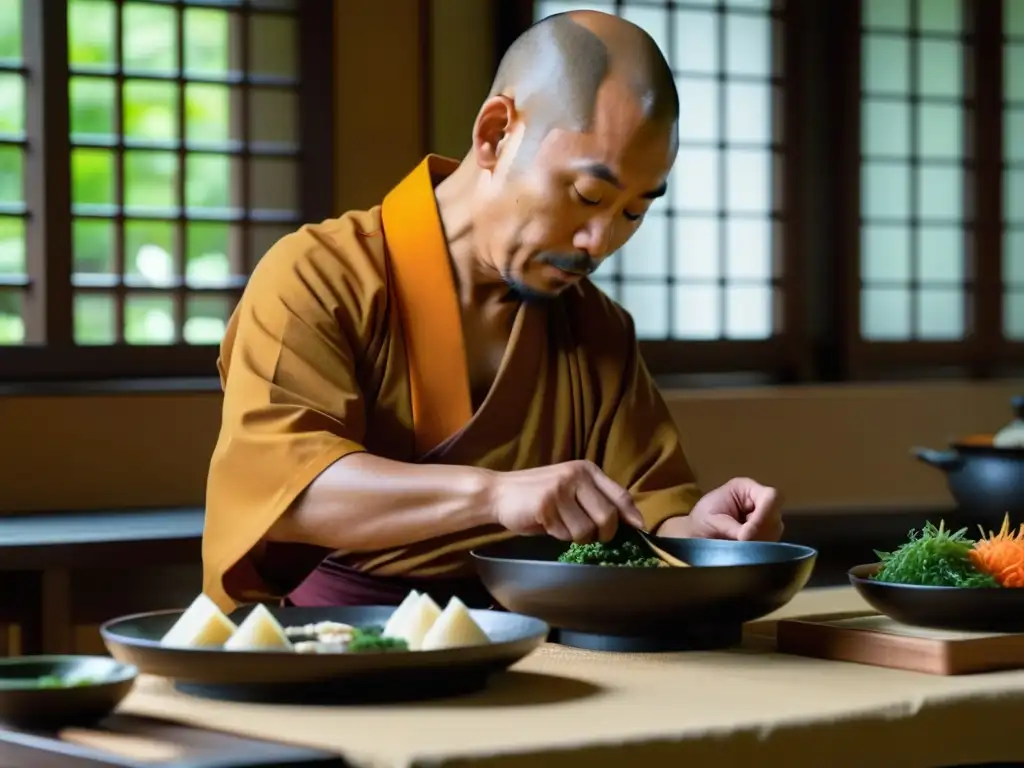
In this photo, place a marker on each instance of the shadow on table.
(509, 689)
(526, 689)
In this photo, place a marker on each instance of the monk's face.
(558, 202)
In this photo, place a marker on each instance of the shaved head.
(554, 72)
(572, 146)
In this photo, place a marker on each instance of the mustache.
(579, 263)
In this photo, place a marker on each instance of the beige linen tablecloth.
(751, 707)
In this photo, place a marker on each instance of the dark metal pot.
(985, 481)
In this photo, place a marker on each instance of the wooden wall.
(825, 447)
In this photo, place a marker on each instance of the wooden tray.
(126, 741)
(870, 638)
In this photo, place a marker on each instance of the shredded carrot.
(1001, 555)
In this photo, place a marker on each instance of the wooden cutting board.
(870, 638)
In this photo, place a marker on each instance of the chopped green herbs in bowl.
(625, 550)
(933, 557)
(620, 553)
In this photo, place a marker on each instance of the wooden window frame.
(781, 353)
(49, 353)
(985, 353)
(820, 339)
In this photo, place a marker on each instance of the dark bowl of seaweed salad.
(57, 691)
(933, 580)
(615, 596)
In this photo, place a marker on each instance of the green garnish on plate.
(371, 640)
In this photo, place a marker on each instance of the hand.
(742, 510)
(573, 501)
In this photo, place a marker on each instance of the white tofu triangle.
(454, 628)
(418, 622)
(395, 626)
(201, 625)
(259, 631)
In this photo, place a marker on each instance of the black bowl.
(954, 608)
(101, 684)
(610, 608)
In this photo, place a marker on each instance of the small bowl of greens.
(54, 691)
(943, 579)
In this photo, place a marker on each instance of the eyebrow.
(604, 173)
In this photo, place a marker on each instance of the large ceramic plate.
(953, 608)
(647, 609)
(281, 675)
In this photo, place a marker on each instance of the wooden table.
(562, 708)
(39, 552)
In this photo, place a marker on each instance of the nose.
(594, 238)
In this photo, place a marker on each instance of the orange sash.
(427, 305)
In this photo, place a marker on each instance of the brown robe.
(348, 338)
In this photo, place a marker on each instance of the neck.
(478, 284)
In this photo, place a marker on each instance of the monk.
(408, 383)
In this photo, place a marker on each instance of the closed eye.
(588, 202)
(585, 200)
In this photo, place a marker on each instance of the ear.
(492, 126)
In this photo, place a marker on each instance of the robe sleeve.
(636, 443)
(292, 406)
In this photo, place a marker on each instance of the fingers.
(764, 521)
(565, 519)
(764, 531)
(577, 520)
(599, 509)
(586, 505)
(617, 495)
(725, 527)
(551, 521)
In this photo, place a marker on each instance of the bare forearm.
(365, 503)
